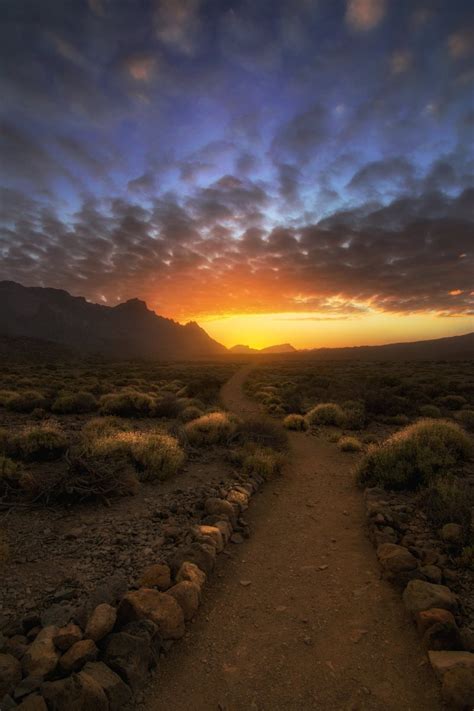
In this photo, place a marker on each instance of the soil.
(297, 617)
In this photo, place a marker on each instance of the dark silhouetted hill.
(450, 348)
(127, 330)
(281, 348)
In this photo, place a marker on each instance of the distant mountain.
(127, 330)
(450, 348)
(282, 348)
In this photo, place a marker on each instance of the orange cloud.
(364, 15)
(141, 68)
(461, 43)
(401, 61)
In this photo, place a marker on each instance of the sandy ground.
(297, 617)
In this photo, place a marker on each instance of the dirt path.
(316, 628)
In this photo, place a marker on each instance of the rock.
(239, 498)
(156, 576)
(10, 673)
(80, 653)
(444, 661)
(147, 630)
(57, 616)
(30, 621)
(101, 622)
(237, 538)
(195, 553)
(226, 530)
(41, 657)
(190, 571)
(420, 595)
(442, 635)
(27, 686)
(16, 645)
(116, 690)
(213, 533)
(75, 693)
(432, 573)
(35, 702)
(187, 595)
(66, 636)
(129, 656)
(110, 592)
(467, 638)
(395, 559)
(452, 533)
(458, 688)
(427, 618)
(220, 506)
(160, 608)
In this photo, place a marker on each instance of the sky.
(288, 171)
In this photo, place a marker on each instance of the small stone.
(160, 608)
(237, 538)
(10, 673)
(220, 506)
(432, 573)
(190, 571)
(66, 636)
(420, 595)
(196, 553)
(56, 616)
(245, 583)
(239, 498)
(156, 576)
(213, 533)
(129, 656)
(101, 622)
(442, 635)
(116, 690)
(41, 657)
(458, 688)
(444, 661)
(452, 533)
(427, 618)
(395, 559)
(187, 595)
(16, 645)
(226, 530)
(80, 653)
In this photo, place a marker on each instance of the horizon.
(276, 172)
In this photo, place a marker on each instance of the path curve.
(316, 628)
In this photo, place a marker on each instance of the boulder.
(427, 618)
(66, 636)
(16, 645)
(101, 622)
(221, 506)
(214, 534)
(77, 655)
(160, 608)
(75, 693)
(442, 635)
(187, 595)
(129, 656)
(10, 673)
(458, 688)
(196, 553)
(395, 559)
(190, 571)
(443, 662)
(156, 576)
(226, 530)
(238, 497)
(452, 533)
(41, 657)
(420, 595)
(116, 690)
(432, 573)
(35, 702)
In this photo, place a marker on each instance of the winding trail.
(316, 628)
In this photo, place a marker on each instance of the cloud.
(143, 183)
(141, 67)
(401, 61)
(389, 175)
(177, 24)
(300, 137)
(364, 15)
(461, 43)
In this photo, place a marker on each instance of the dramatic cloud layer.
(228, 157)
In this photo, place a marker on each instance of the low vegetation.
(416, 455)
(211, 429)
(326, 413)
(350, 444)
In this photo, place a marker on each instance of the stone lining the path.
(98, 657)
(412, 558)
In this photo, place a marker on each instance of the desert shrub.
(370, 439)
(205, 388)
(261, 432)
(326, 413)
(429, 411)
(214, 428)
(415, 456)
(349, 444)
(190, 413)
(75, 403)
(128, 403)
(103, 426)
(451, 402)
(40, 443)
(399, 420)
(167, 406)
(466, 419)
(39, 413)
(295, 422)
(154, 455)
(354, 415)
(10, 473)
(6, 396)
(263, 461)
(26, 401)
(449, 500)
